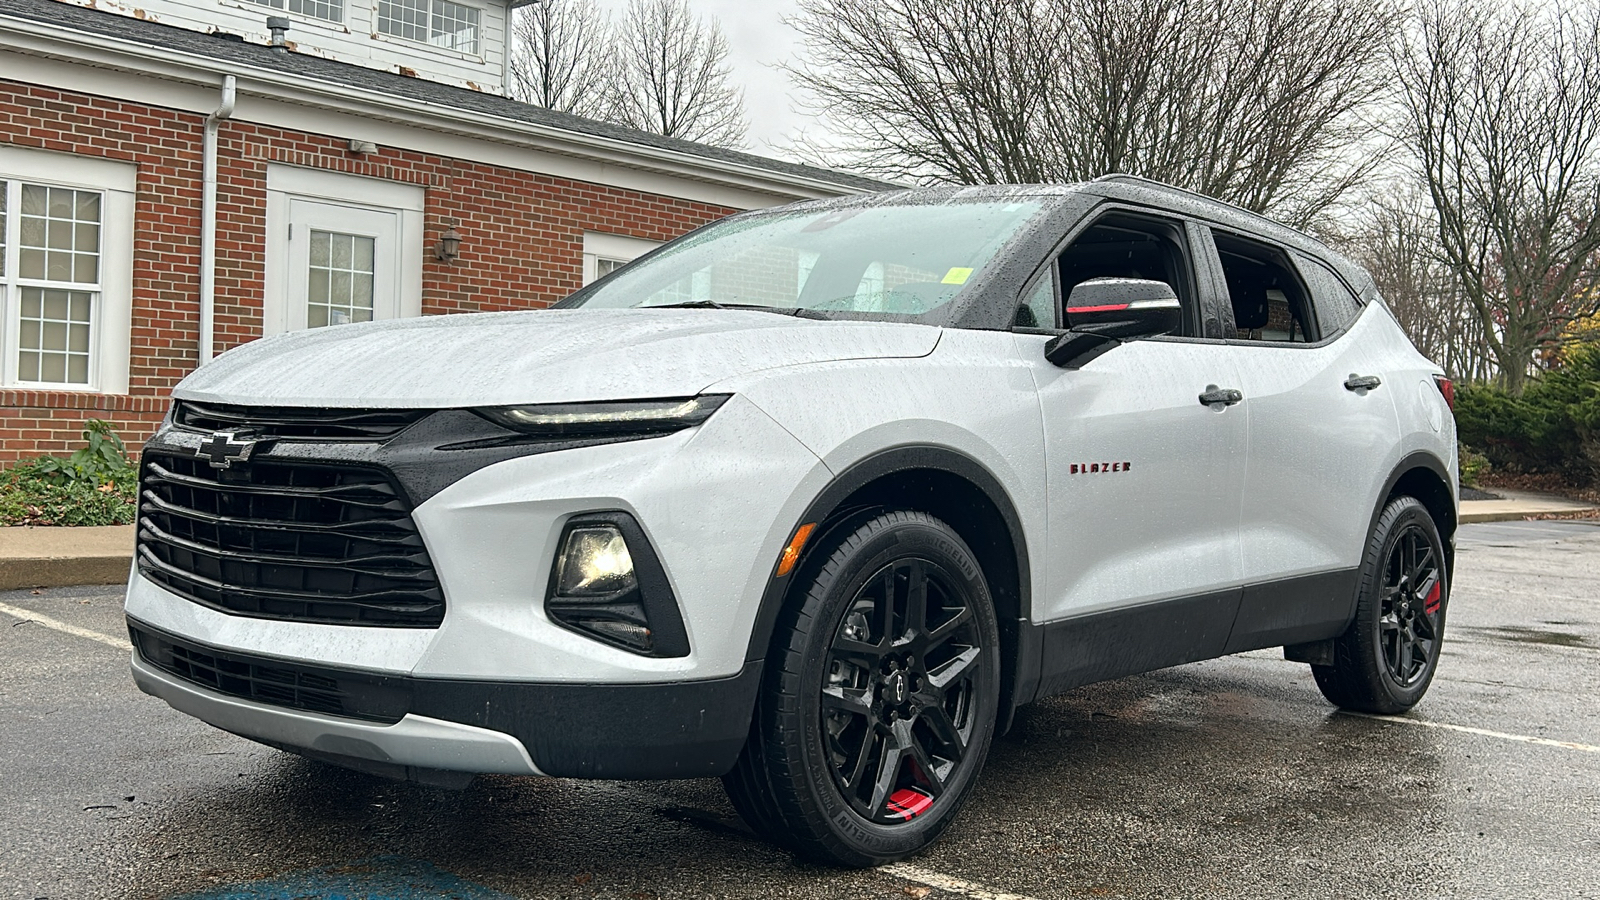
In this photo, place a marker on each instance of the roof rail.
(1141, 181)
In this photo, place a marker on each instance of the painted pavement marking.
(28, 615)
(947, 883)
(1481, 732)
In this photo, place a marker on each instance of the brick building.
(345, 150)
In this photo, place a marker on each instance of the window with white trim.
(606, 253)
(328, 10)
(66, 275)
(51, 273)
(442, 23)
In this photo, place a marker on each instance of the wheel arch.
(950, 486)
(1426, 477)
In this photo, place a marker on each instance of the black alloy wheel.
(898, 702)
(879, 695)
(1386, 659)
(1411, 618)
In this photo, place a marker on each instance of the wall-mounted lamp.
(361, 147)
(449, 245)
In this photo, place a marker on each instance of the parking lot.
(1225, 778)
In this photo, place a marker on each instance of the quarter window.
(328, 10)
(1336, 305)
(50, 269)
(453, 26)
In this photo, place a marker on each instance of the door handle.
(1215, 395)
(1361, 382)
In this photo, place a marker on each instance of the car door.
(1321, 422)
(1143, 483)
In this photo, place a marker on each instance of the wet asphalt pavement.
(1225, 778)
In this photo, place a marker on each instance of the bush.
(1474, 466)
(1553, 428)
(96, 485)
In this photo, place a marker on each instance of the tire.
(873, 722)
(1386, 659)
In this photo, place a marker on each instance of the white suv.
(811, 499)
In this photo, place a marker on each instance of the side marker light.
(791, 553)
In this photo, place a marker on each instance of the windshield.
(888, 260)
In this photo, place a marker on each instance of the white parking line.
(29, 615)
(949, 884)
(1483, 732)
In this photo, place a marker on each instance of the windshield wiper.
(800, 312)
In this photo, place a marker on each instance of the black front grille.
(304, 541)
(293, 422)
(376, 698)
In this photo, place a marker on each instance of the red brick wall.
(522, 238)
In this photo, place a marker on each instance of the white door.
(343, 265)
(1144, 479)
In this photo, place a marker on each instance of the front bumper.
(688, 729)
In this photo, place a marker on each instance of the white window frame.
(483, 14)
(286, 183)
(598, 246)
(111, 306)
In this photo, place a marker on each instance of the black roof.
(235, 51)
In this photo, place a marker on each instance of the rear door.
(1321, 421)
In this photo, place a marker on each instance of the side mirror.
(1103, 312)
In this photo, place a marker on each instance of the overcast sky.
(757, 40)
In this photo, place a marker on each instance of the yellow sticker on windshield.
(957, 276)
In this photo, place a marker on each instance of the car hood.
(543, 356)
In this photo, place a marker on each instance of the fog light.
(607, 584)
(595, 563)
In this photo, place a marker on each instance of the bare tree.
(1503, 116)
(672, 75)
(561, 57)
(1254, 101)
(1395, 236)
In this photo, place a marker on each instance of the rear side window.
(1270, 303)
(1337, 306)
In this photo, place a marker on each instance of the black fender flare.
(1420, 459)
(1020, 665)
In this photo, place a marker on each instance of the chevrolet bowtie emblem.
(224, 448)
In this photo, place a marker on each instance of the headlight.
(620, 417)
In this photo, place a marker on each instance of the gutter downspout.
(208, 220)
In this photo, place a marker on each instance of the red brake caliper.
(908, 803)
(1431, 604)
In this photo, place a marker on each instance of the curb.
(1475, 518)
(63, 571)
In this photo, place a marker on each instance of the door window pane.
(60, 234)
(339, 278)
(53, 337)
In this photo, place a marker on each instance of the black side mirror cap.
(1076, 348)
(1124, 308)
